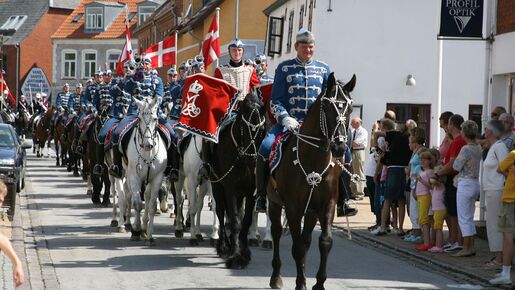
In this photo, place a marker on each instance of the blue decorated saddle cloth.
(276, 152)
(163, 131)
(70, 120)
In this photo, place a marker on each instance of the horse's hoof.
(236, 262)
(143, 235)
(96, 202)
(253, 243)
(213, 242)
(84, 177)
(318, 287)
(172, 215)
(57, 164)
(128, 227)
(164, 210)
(276, 282)
(106, 203)
(69, 168)
(135, 236)
(194, 242)
(199, 237)
(122, 230)
(150, 242)
(90, 192)
(76, 174)
(114, 224)
(266, 245)
(179, 233)
(301, 287)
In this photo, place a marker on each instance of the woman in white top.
(493, 185)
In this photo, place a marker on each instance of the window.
(290, 32)
(475, 113)
(144, 12)
(301, 17)
(310, 17)
(275, 36)
(94, 18)
(417, 112)
(69, 61)
(112, 59)
(131, 15)
(89, 61)
(77, 17)
(14, 22)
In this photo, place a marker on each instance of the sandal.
(380, 233)
(493, 263)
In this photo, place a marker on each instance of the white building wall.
(382, 42)
(503, 67)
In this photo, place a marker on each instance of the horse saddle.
(277, 149)
(126, 132)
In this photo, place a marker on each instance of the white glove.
(290, 123)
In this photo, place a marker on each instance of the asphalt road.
(86, 253)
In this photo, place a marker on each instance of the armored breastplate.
(238, 77)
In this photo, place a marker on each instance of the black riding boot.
(173, 163)
(205, 170)
(116, 169)
(262, 174)
(343, 208)
(98, 169)
(83, 141)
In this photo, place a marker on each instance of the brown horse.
(22, 123)
(73, 161)
(306, 180)
(42, 134)
(61, 142)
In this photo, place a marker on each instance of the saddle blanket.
(70, 120)
(276, 152)
(107, 141)
(163, 131)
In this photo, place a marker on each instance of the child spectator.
(6, 247)
(437, 206)
(423, 197)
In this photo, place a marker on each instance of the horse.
(144, 164)
(73, 158)
(61, 142)
(233, 178)
(42, 133)
(196, 190)
(22, 122)
(305, 182)
(8, 116)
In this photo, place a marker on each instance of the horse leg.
(137, 203)
(222, 248)
(106, 200)
(267, 240)
(97, 188)
(57, 160)
(114, 220)
(245, 226)
(89, 186)
(179, 202)
(298, 248)
(274, 213)
(163, 197)
(253, 230)
(325, 243)
(202, 190)
(191, 191)
(215, 227)
(234, 260)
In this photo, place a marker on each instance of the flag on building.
(206, 103)
(4, 90)
(126, 54)
(163, 53)
(211, 45)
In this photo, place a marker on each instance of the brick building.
(25, 30)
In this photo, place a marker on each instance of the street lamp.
(411, 82)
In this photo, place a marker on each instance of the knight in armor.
(297, 84)
(61, 103)
(141, 84)
(88, 109)
(238, 74)
(261, 69)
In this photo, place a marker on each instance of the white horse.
(145, 167)
(196, 190)
(121, 199)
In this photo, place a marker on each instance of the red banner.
(206, 103)
(265, 93)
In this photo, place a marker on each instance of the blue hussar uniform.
(296, 87)
(174, 96)
(87, 103)
(265, 79)
(121, 101)
(61, 103)
(102, 100)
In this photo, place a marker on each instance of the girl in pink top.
(423, 197)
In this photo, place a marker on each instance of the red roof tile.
(74, 30)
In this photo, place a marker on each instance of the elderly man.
(508, 137)
(293, 94)
(359, 144)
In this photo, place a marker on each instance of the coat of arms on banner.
(206, 104)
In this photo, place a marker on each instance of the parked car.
(12, 164)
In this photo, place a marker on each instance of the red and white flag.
(163, 53)
(265, 93)
(211, 45)
(206, 102)
(126, 54)
(4, 90)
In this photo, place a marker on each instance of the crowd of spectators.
(437, 185)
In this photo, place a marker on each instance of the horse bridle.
(152, 133)
(253, 131)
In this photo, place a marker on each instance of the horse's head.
(336, 107)
(147, 122)
(251, 129)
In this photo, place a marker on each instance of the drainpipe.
(17, 71)
(190, 32)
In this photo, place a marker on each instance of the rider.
(238, 74)
(261, 68)
(102, 103)
(37, 108)
(22, 105)
(61, 103)
(142, 84)
(297, 84)
(88, 108)
(75, 108)
(172, 102)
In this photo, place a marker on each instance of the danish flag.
(211, 45)
(126, 54)
(163, 53)
(4, 90)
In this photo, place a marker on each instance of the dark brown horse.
(72, 139)
(42, 134)
(61, 142)
(98, 181)
(306, 180)
(22, 123)
(233, 179)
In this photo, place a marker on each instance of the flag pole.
(176, 49)
(218, 24)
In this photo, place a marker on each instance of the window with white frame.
(290, 32)
(144, 12)
(301, 17)
(310, 17)
(112, 57)
(69, 61)
(94, 18)
(89, 63)
(14, 22)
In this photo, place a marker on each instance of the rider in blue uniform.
(297, 84)
(87, 104)
(61, 103)
(74, 107)
(142, 84)
(171, 105)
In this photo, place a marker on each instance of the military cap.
(305, 36)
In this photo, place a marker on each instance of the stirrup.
(80, 150)
(98, 169)
(116, 171)
(174, 175)
(261, 203)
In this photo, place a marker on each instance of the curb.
(447, 269)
